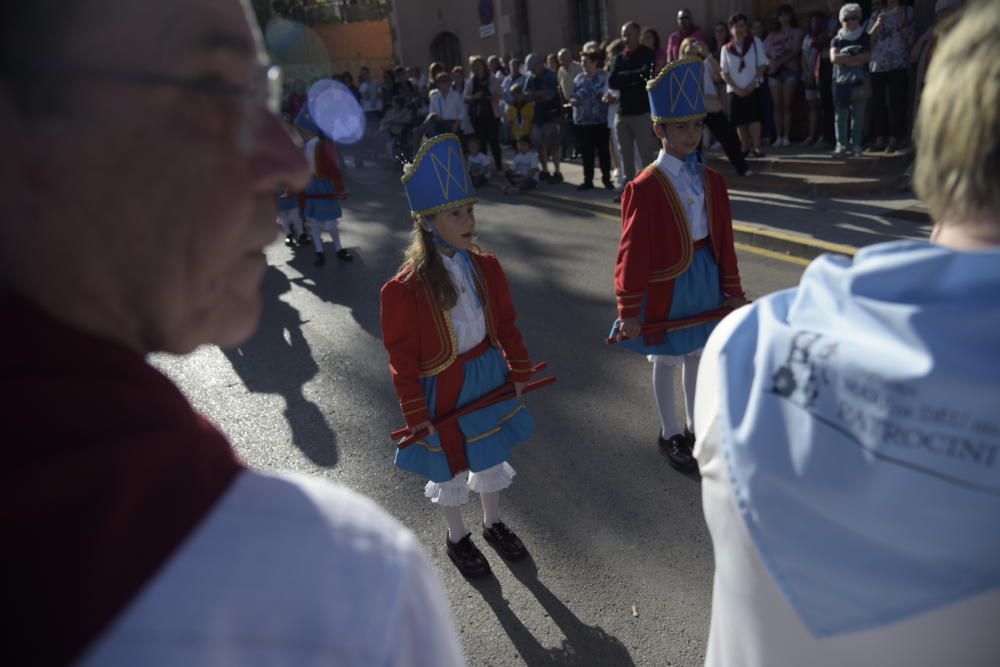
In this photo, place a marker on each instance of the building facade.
(448, 31)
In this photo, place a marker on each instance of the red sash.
(108, 470)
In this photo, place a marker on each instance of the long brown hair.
(422, 258)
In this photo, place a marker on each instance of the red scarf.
(747, 43)
(741, 53)
(108, 470)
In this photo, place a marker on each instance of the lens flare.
(336, 111)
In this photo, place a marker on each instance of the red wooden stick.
(673, 325)
(541, 366)
(498, 395)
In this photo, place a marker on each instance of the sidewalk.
(790, 224)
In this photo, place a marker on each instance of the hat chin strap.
(438, 241)
(462, 255)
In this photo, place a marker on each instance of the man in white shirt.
(847, 429)
(446, 108)
(133, 535)
(566, 74)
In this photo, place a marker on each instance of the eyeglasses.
(261, 92)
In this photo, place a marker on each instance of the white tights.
(331, 227)
(664, 377)
(456, 524)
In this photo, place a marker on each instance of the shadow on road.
(348, 284)
(278, 360)
(583, 644)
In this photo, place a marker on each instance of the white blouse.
(692, 197)
(466, 315)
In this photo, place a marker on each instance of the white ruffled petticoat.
(455, 492)
(673, 359)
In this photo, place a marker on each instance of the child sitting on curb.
(480, 164)
(522, 175)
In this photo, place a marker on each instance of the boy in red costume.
(676, 258)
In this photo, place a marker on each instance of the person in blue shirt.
(542, 87)
(590, 119)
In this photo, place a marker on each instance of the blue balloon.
(337, 112)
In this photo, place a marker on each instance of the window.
(445, 50)
(589, 20)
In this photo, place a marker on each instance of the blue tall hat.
(438, 180)
(675, 94)
(304, 121)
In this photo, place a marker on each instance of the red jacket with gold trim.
(656, 245)
(420, 336)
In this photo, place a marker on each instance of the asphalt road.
(622, 561)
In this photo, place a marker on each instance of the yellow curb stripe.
(826, 246)
(791, 259)
(794, 238)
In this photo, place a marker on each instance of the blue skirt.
(697, 290)
(289, 203)
(321, 210)
(489, 434)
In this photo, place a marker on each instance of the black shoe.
(320, 259)
(759, 153)
(678, 451)
(618, 198)
(556, 178)
(291, 242)
(467, 557)
(585, 186)
(608, 185)
(544, 176)
(304, 238)
(505, 541)
(689, 436)
(345, 255)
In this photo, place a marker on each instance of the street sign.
(487, 26)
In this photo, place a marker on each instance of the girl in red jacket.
(448, 324)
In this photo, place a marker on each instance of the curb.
(753, 236)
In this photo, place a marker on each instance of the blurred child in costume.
(676, 257)
(321, 208)
(448, 324)
(289, 218)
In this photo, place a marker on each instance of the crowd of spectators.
(841, 83)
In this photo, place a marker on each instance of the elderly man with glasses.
(142, 151)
